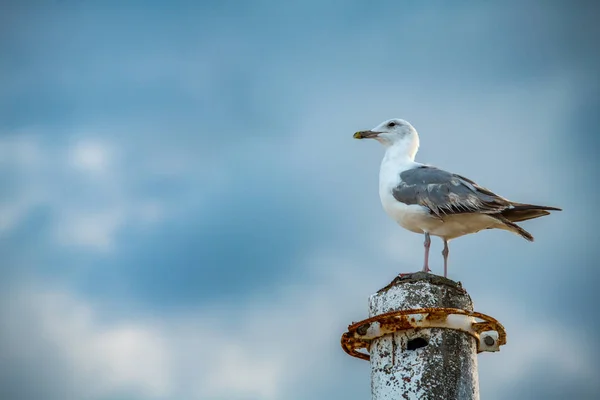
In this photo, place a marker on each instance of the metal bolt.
(362, 330)
(488, 340)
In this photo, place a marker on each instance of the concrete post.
(423, 363)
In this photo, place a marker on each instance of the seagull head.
(394, 133)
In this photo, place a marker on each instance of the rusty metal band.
(361, 334)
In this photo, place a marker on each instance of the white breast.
(412, 217)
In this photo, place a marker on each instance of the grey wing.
(444, 193)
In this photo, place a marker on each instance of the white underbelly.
(457, 225)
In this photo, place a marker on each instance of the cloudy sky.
(184, 213)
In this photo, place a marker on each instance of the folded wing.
(445, 193)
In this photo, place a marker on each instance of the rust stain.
(396, 321)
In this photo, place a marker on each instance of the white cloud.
(20, 151)
(255, 351)
(98, 358)
(134, 357)
(91, 229)
(235, 372)
(90, 156)
(20, 155)
(88, 191)
(11, 213)
(533, 345)
(150, 211)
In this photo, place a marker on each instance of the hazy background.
(185, 215)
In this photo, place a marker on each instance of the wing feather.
(444, 193)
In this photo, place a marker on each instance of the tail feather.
(522, 212)
(510, 226)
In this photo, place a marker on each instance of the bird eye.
(391, 124)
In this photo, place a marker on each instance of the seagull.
(427, 200)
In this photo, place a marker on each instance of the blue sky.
(184, 213)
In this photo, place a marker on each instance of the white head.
(396, 133)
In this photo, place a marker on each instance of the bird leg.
(445, 253)
(427, 244)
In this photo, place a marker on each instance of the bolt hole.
(416, 344)
(488, 340)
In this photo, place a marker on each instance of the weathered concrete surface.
(435, 363)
